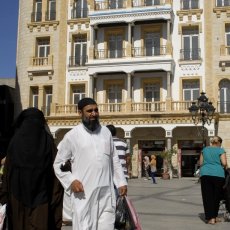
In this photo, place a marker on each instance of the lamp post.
(202, 111)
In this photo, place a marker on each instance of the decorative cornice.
(125, 119)
(189, 13)
(46, 25)
(109, 16)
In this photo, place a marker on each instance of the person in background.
(121, 148)
(30, 188)
(95, 169)
(146, 167)
(212, 176)
(153, 168)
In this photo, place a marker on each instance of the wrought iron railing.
(189, 4)
(79, 13)
(108, 53)
(190, 54)
(148, 51)
(77, 60)
(111, 4)
(36, 16)
(50, 15)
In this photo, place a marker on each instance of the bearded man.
(95, 170)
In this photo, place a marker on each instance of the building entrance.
(150, 147)
(190, 154)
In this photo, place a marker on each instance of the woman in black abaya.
(32, 192)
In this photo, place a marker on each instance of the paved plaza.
(170, 205)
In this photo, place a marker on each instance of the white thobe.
(96, 165)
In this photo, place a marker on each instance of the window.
(48, 100)
(79, 57)
(225, 96)
(114, 93)
(80, 9)
(34, 97)
(220, 3)
(152, 44)
(37, 11)
(152, 92)
(43, 47)
(51, 13)
(227, 32)
(78, 92)
(191, 90)
(189, 4)
(190, 39)
(151, 95)
(115, 46)
(152, 2)
(116, 4)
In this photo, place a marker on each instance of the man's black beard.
(90, 124)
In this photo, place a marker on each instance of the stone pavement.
(170, 205)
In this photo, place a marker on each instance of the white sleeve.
(64, 153)
(118, 175)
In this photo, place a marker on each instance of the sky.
(8, 37)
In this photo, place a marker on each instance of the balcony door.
(225, 96)
(116, 4)
(190, 44)
(115, 46)
(227, 34)
(152, 2)
(152, 44)
(190, 4)
(80, 49)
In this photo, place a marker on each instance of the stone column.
(91, 86)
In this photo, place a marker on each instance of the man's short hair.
(112, 129)
(85, 101)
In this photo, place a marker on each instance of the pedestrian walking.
(95, 169)
(212, 163)
(30, 188)
(121, 148)
(146, 167)
(153, 168)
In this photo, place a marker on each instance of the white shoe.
(145, 179)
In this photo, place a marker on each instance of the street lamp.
(202, 111)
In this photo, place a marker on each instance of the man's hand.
(122, 190)
(77, 186)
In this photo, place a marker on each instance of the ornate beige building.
(144, 61)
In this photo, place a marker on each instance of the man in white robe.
(95, 170)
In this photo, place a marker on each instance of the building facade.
(143, 61)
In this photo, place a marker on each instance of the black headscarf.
(30, 160)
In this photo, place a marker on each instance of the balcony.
(106, 53)
(50, 15)
(189, 4)
(158, 107)
(106, 5)
(41, 65)
(139, 3)
(150, 51)
(79, 13)
(76, 61)
(222, 3)
(190, 54)
(36, 16)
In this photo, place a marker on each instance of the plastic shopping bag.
(2, 215)
(120, 214)
(126, 217)
(134, 221)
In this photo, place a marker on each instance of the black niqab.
(30, 159)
